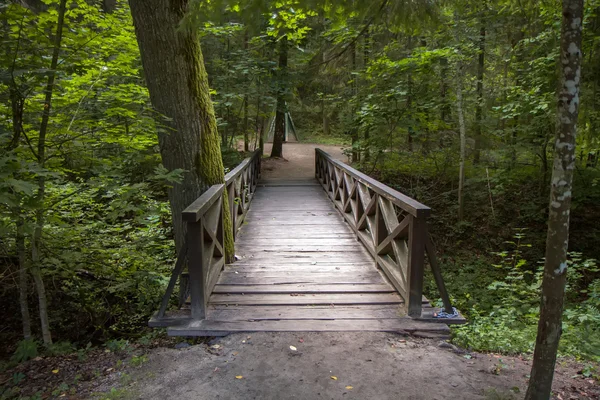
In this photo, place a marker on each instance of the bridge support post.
(416, 259)
(195, 240)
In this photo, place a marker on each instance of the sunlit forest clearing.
(115, 116)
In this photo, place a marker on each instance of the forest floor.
(334, 365)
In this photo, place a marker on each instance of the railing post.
(195, 240)
(417, 237)
(232, 209)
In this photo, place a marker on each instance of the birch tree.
(557, 240)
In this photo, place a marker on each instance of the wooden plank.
(303, 271)
(219, 328)
(307, 240)
(241, 313)
(269, 277)
(304, 288)
(288, 299)
(253, 249)
(294, 231)
(305, 223)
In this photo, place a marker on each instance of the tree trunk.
(40, 213)
(366, 55)
(278, 137)
(325, 118)
(555, 267)
(26, 318)
(445, 106)
(246, 138)
(409, 84)
(178, 85)
(479, 107)
(354, 129)
(463, 142)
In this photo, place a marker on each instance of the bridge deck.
(301, 268)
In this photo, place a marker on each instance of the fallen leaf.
(349, 387)
(235, 353)
(293, 348)
(55, 371)
(334, 377)
(238, 377)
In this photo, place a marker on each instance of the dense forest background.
(85, 228)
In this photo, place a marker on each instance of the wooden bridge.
(341, 252)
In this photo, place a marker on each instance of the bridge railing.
(241, 184)
(391, 225)
(204, 247)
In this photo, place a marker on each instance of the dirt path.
(336, 366)
(298, 161)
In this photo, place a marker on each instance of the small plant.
(82, 353)
(60, 348)
(118, 345)
(18, 378)
(590, 371)
(26, 349)
(136, 361)
(62, 388)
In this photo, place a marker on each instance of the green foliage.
(137, 361)
(26, 350)
(118, 345)
(507, 321)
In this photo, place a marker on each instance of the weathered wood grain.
(220, 328)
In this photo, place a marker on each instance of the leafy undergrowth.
(492, 260)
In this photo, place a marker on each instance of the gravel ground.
(338, 365)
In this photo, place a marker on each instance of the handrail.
(408, 204)
(198, 208)
(241, 184)
(391, 225)
(204, 243)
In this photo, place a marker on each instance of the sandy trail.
(298, 161)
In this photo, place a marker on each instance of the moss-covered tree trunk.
(178, 85)
(557, 241)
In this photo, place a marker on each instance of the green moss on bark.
(210, 163)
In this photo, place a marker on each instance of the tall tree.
(40, 214)
(557, 240)
(178, 85)
(279, 136)
(479, 106)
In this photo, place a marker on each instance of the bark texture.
(278, 137)
(179, 92)
(555, 268)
